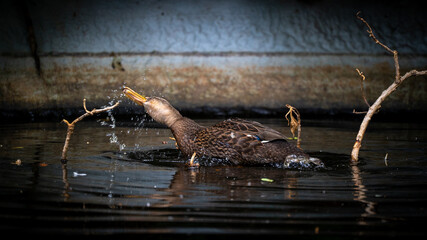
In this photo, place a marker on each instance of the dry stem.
(71, 125)
(377, 104)
(294, 124)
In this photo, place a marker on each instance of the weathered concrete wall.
(199, 53)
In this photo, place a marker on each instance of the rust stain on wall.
(321, 87)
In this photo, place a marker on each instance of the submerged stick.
(377, 104)
(71, 125)
(192, 163)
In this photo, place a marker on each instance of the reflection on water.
(361, 191)
(130, 179)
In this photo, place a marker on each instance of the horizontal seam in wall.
(200, 54)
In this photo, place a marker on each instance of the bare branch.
(377, 104)
(71, 125)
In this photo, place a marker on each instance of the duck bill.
(134, 96)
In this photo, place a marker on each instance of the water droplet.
(122, 146)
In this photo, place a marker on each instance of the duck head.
(158, 108)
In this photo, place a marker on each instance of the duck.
(232, 141)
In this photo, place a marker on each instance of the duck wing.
(236, 146)
(261, 132)
(243, 142)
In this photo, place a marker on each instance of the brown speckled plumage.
(236, 141)
(239, 141)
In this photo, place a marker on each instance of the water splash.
(111, 121)
(302, 162)
(115, 140)
(113, 137)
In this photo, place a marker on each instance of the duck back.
(237, 141)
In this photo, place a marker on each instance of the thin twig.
(71, 125)
(394, 52)
(84, 105)
(371, 34)
(356, 112)
(413, 73)
(362, 87)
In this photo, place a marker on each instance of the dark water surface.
(129, 179)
